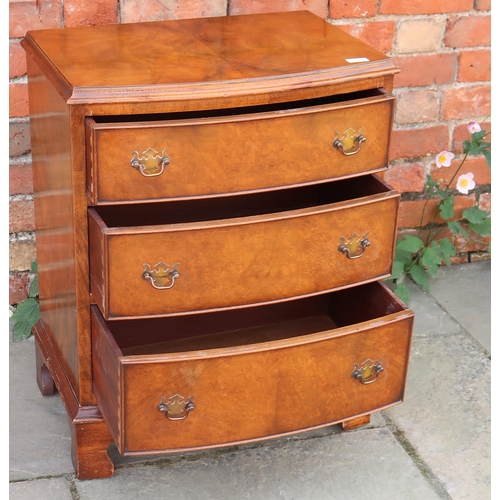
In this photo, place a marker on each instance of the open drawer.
(179, 257)
(214, 379)
(210, 153)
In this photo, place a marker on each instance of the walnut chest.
(212, 231)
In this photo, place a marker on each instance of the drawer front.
(220, 398)
(226, 264)
(257, 151)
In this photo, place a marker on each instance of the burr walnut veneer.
(212, 230)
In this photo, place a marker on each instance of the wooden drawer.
(252, 373)
(242, 250)
(188, 155)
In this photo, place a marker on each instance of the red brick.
(417, 106)
(319, 7)
(466, 102)
(378, 34)
(36, 15)
(474, 66)
(17, 60)
(19, 138)
(410, 212)
(424, 6)
(345, 9)
(21, 216)
(18, 287)
(485, 202)
(479, 256)
(85, 12)
(418, 142)
(407, 177)
(468, 31)
(476, 243)
(460, 258)
(482, 4)
(18, 100)
(20, 179)
(460, 134)
(132, 11)
(475, 164)
(420, 70)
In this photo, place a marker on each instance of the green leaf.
(431, 260)
(25, 316)
(445, 249)
(446, 208)
(398, 269)
(410, 244)
(483, 228)
(475, 214)
(457, 228)
(467, 146)
(33, 292)
(34, 287)
(419, 274)
(487, 155)
(403, 292)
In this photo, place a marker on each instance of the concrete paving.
(434, 446)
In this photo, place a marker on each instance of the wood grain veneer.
(254, 205)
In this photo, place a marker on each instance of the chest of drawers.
(212, 231)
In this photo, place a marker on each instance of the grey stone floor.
(436, 445)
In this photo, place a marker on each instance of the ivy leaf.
(410, 244)
(403, 292)
(25, 316)
(419, 274)
(475, 215)
(457, 228)
(446, 208)
(431, 260)
(483, 228)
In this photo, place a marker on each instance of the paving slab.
(40, 442)
(360, 464)
(464, 291)
(56, 488)
(446, 414)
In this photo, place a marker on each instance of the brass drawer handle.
(347, 142)
(368, 372)
(151, 163)
(160, 276)
(354, 246)
(176, 408)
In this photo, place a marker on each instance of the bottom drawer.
(214, 379)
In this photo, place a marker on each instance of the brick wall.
(442, 48)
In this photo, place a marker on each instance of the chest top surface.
(193, 54)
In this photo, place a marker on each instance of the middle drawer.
(182, 257)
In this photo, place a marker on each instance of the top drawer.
(193, 155)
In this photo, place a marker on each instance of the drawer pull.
(354, 246)
(348, 141)
(368, 372)
(151, 163)
(176, 408)
(160, 276)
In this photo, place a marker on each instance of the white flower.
(444, 158)
(473, 127)
(465, 183)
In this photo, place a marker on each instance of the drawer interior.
(281, 107)
(254, 325)
(229, 207)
